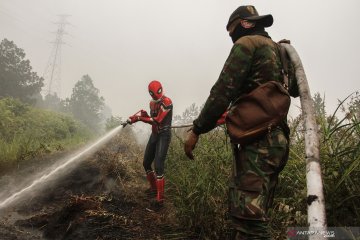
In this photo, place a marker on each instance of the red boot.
(160, 184)
(150, 176)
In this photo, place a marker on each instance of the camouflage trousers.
(255, 173)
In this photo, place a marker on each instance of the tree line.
(18, 80)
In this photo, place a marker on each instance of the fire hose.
(127, 122)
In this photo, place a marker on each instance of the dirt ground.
(101, 198)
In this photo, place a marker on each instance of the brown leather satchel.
(256, 113)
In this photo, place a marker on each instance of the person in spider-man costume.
(161, 110)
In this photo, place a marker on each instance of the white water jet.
(47, 176)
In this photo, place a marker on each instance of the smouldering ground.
(102, 198)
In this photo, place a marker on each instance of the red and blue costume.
(160, 118)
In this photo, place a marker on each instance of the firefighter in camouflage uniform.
(254, 59)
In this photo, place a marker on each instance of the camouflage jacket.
(253, 59)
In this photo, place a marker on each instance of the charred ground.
(101, 198)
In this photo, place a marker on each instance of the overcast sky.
(124, 44)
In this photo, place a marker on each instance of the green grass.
(198, 188)
(26, 132)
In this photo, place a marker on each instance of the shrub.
(198, 188)
(26, 132)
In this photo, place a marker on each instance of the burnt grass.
(101, 198)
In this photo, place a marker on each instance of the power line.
(52, 73)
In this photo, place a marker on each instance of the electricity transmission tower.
(52, 73)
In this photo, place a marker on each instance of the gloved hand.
(143, 113)
(133, 119)
(190, 143)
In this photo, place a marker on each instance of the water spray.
(73, 159)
